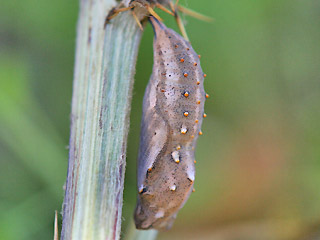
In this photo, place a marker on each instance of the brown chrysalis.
(173, 109)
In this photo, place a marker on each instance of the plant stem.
(102, 90)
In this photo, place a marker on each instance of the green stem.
(103, 81)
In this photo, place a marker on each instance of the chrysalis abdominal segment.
(173, 109)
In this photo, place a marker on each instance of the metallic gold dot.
(182, 60)
(199, 56)
(207, 95)
(186, 114)
(204, 115)
(186, 94)
(195, 161)
(193, 190)
(183, 130)
(176, 46)
(175, 156)
(178, 147)
(195, 64)
(173, 188)
(200, 133)
(185, 74)
(204, 75)
(198, 102)
(191, 179)
(196, 121)
(198, 82)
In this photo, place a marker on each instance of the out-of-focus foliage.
(258, 162)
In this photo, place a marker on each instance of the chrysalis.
(173, 108)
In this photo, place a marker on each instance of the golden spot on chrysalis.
(199, 56)
(196, 121)
(207, 95)
(185, 74)
(149, 169)
(198, 83)
(141, 189)
(195, 64)
(200, 133)
(204, 115)
(162, 90)
(193, 190)
(183, 130)
(182, 60)
(178, 147)
(186, 94)
(186, 114)
(163, 74)
(198, 102)
(176, 46)
(192, 136)
(173, 188)
(204, 75)
(195, 161)
(188, 49)
(175, 156)
(191, 180)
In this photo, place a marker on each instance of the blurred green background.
(258, 162)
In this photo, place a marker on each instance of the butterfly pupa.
(173, 108)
